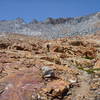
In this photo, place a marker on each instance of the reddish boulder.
(57, 88)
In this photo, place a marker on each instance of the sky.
(42, 9)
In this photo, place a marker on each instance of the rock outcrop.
(60, 69)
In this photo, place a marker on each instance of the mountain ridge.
(54, 27)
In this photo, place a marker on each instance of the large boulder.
(48, 72)
(57, 88)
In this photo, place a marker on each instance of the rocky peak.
(98, 14)
(19, 20)
(55, 21)
(34, 21)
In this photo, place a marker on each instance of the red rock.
(21, 85)
(57, 88)
(97, 64)
(90, 53)
(97, 67)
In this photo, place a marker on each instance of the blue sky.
(41, 9)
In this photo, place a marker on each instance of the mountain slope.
(54, 28)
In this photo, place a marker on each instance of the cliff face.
(54, 28)
(60, 69)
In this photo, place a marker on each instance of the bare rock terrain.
(60, 69)
(53, 28)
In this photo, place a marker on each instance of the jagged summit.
(54, 27)
(19, 20)
(62, 20)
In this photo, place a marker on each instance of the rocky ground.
(61, 69)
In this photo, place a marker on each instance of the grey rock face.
(48, 72)
(53, 28)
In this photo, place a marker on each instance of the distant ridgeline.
(53, 28)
